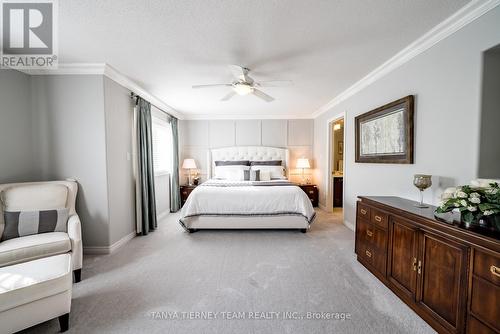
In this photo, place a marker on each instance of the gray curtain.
(175, 196)
(145, 167)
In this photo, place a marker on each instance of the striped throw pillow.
(23, 223)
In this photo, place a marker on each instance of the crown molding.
(452, 24)
(242, 116)
(123, 80)
(71, 69)
(110, 72)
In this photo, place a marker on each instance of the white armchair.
(34, 196)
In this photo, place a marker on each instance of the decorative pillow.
(232, 163)
(266, 163)
(224, 172)
(251, 175)
(23, 223)
(276, 172)
(264, 175)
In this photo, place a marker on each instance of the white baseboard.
(102, 250)
(349, 225)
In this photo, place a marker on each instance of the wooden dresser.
(446, 273)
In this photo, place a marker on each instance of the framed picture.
(385, 135)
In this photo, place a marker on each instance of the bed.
(228, 203)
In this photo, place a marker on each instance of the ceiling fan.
(243, 84)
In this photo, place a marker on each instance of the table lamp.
(189, 164)
(302, 164)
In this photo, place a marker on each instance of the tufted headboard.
(252, 153)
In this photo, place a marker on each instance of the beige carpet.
(243, 273)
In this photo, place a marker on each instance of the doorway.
(336, 172)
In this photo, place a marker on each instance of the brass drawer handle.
(378, 218)
(495, 271)
(369, 233)
(368, 253)
(363, 211)
(414, 264)
(184, 192)
(311, 192)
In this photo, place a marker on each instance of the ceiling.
(166, 46)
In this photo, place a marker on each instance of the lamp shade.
(189, 164)
(303, 163)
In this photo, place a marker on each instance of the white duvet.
(221, 197)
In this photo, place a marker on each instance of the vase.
(490, 222)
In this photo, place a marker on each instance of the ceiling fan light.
(242, 89)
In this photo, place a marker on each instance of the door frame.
(329, 148)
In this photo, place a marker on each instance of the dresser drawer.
(378, 258)
(487, 266)
(363, 211)
(485, 298)
(374, 237)
(378, 238)
(379, 218)
(375, 257)
(477, 327)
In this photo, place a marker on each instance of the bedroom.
(120, 139)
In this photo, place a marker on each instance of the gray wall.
(489, 149)
(446, 80)
(196, 137)
(16, 135)
(119, 108)
(66, 126)
(69, 113)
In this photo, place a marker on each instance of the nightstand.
(185, 191)
(311, 191)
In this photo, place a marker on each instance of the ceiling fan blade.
(262, 95)
(228, 96)
(274, 83)
(240, 73)
(213, 85)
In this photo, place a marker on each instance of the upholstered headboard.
(252, 153)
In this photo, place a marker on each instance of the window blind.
(162, 146)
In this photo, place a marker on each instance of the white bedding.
(247, 198)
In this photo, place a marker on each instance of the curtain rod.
(135, 96)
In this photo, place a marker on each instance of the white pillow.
(234, 172)
(265, 175)
(276, 172)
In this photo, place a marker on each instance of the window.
(162, 146)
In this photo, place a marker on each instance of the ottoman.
(35, 291)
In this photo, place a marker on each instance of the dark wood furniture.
(338, 191)
(446, 273)
(185, 191)
(311, 191)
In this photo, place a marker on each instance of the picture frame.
(386, 134)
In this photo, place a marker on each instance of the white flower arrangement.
(479, 199)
